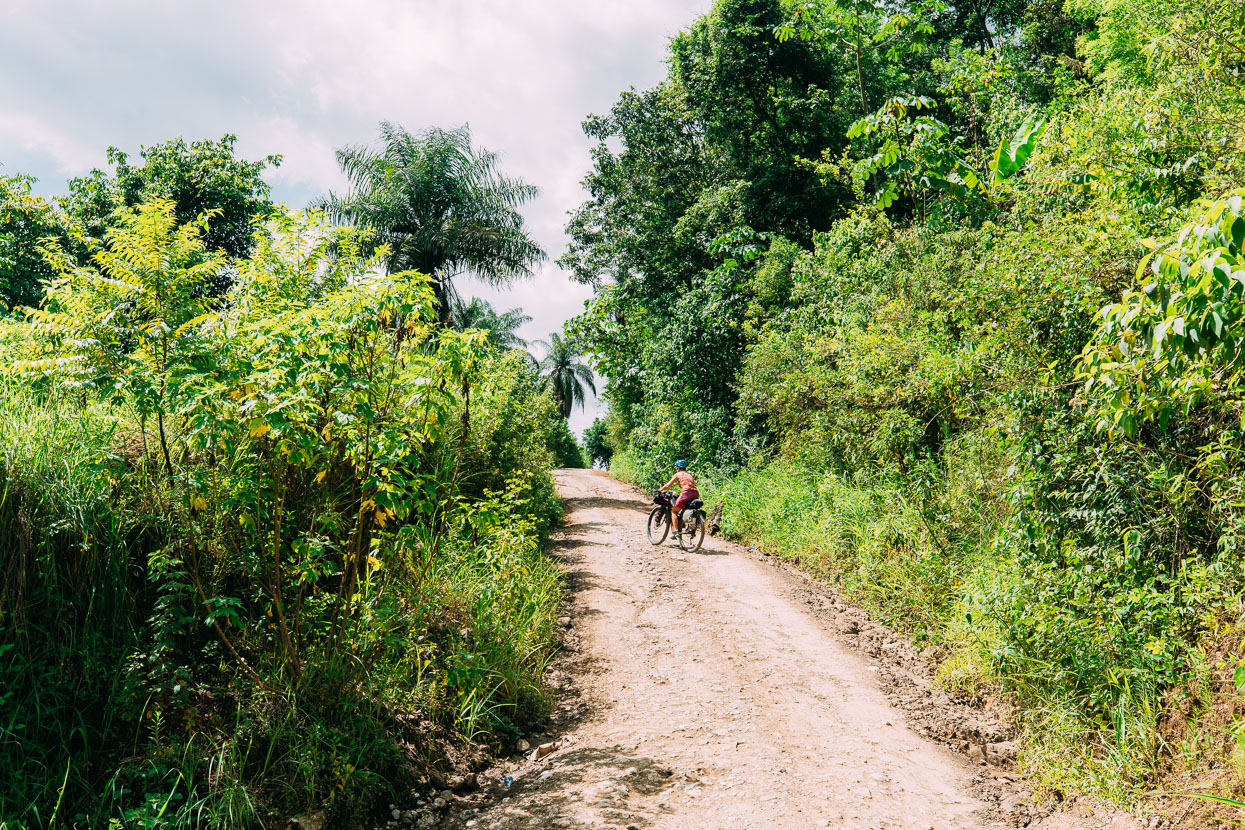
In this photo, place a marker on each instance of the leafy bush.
(901, 395)
(259, 538)
(562, 444)
(597, 446)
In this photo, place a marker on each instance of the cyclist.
(687, 492)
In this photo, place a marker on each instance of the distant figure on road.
(687, 492)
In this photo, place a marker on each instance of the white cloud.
(307, 160)
(29, 134)
(301, 77)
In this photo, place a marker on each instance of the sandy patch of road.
(708, 696)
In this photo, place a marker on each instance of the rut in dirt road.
(714, 700)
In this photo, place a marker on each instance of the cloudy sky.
(301, 77)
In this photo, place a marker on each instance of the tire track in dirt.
(701, 692)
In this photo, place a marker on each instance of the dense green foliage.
(269, 547)
(25, 220)
(991, 386)
(596, 443)
(197, 177)
(564, 448)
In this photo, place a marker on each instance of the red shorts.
(685, 498)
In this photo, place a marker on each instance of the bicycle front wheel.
(693, 532)
(658, 525)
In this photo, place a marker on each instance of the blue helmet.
(681, 463)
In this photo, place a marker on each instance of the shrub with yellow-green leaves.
(315, 512)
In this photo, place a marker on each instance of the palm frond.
(565, 375)
(440, 205)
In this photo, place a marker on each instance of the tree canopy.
(502, 327)
(440, 205)
(198, 177)
(568, 377)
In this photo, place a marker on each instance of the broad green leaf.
(1014, 152)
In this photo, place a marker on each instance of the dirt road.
(709, 697)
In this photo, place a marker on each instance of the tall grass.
(870, 539)
(70, 587)
(506, 596)
(91, 731)
(933, 564)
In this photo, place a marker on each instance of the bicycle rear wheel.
(658, 525)
(693, 532)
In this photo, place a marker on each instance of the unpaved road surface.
(710, 697)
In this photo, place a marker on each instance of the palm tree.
(564, 373)
(479, 314)
(441, 207)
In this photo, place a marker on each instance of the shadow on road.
(554, 793)
(602, 502)
(581, 528)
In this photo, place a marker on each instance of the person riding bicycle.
(687, 492)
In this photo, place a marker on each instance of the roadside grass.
(870, 541)
(93, 730)
(507, 597)
(935, 566)
(65, 599)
